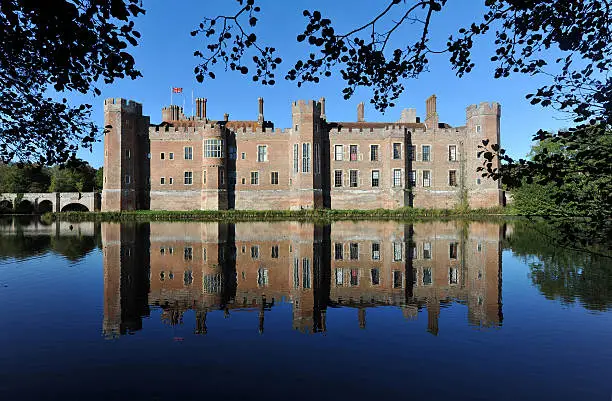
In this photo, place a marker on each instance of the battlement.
(484, 108)
(204, 129)
(244, 131)
(306, 106)
(121, 104)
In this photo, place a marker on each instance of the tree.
(529, 37)
(99, 179)
(76, 176)
(66, 45)
(21, 179)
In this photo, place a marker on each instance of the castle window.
(354, 251)
(397, 177)
(452, 250)
(354, 178)
(375, 178)
(296, 273)
(397, 252)
(338, 251)
(162, 250)
(478, 181)
(375, 275)
(171, 181)
(274, 178)
(128, 179)
(233, 153)
(427, 250)
(354, 277)
(305, 273)
(452, 178)
(317, 159)
(162, 180)
(262, 153)
(262, 277)
(452, 153)
(187, 278)
(297, 127)
(221, 176)
(412, 152)
(337, 178)
(162, 155)
(188, 253)
(453, 275)
(305, 158)
(243, 155)
(204, 254)
(426, 149)
(397, 151)
(203, 176)
(375, 251)
(296, 158)
(171, 155)
(478, 129)
(397, 279)
(255, 252)
(353, 152)
(275, 252)
(374, 153)
(427, 276)
(412, 178)
(213, 148)
(128, 154)
(188, 177)
(188, 153)
(426, 178)
(254, 178)
(339, 277)
(243, 181)
(338, 152)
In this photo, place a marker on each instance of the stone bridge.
(49, 202)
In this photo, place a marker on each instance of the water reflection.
(251, 267)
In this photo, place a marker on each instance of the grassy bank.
(277, 215)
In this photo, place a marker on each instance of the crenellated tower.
(126, 156)
(308, 144)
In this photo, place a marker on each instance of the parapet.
(484, 108)
(306, 106)
(120, 104)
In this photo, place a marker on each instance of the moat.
(291, 310)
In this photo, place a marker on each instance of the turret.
(126, 146)
(431, 117)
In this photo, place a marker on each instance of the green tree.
(77, 176)
(100, 178)
(67, 45)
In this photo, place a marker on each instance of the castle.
(195, 163)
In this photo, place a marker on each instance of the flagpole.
(191, 101)
(171, 91)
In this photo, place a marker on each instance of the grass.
(278, 215)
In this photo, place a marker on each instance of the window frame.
(188, 176)
(254, 177)
(188, 152)
(399, 154)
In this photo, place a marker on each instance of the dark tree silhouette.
(64, 45)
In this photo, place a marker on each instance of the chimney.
(322, 101)
(260, 116)
(201, 108)
(198, 111)
(360, 112)
(226, 117)
(431, 115)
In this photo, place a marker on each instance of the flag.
(177, 90)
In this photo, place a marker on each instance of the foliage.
(562, 272)
(66, 45)
(99, 179)
(75, 176)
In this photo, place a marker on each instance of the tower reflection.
(254, 266)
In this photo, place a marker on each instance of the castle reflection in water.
(254, 266)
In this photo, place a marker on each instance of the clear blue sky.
(165, 58)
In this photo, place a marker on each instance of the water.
(181, 311)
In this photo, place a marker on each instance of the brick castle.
(193, 163)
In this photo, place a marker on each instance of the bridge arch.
(24, 207)
(45, 206)
(6, 206)
(75, 207)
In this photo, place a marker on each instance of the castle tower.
(307, 143)
(214, 170)
(126, 156)
(483, 122)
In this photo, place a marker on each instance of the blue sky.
(165, 58)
